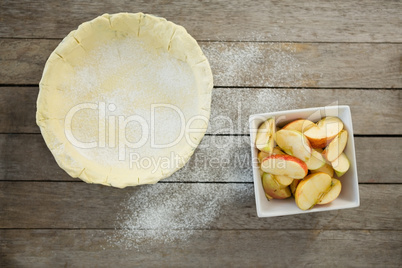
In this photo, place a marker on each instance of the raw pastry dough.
(124, 100)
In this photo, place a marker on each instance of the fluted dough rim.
(178, 42)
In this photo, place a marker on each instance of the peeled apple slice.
(311, 190)
(333, 192)
(264, 140)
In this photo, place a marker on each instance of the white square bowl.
(349, 196)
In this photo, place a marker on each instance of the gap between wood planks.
(230, 41)
(190, 182)
(208, 229)
(238, 135)
(247, 87)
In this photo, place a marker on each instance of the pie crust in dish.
(124, 100)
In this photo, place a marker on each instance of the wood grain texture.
(243, 248)
(347, 52)
(23, 60)
(18, 110)
(245, 64)
(370, 108)
(330, 21)
(79, 205)
(373, 111)
(217, 159)
(325, 65)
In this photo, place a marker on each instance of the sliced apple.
(277, 150)
(264, 140)
(268, 196)
(341, 165)
(273, 189)
(300, 125)
(324, 131)
(316, 160)
(261, 155)
(326, 169)
(311, 190)
(286, 165)
(294, 143)
(293, 185)
(333, 192)
(336, 146)
(320, 150)
(261, 171)
(284, 180)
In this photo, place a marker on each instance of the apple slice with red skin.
(336, 146)
(333, 192)
(341, 165)
(261, 154)
(265, 136)
(311, 190)
(326, 168)
(286, 165)
(324, 131)
(273, 189)
(300, 125)
(316, 160)
(294, 143)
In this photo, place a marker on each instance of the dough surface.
(124, 100)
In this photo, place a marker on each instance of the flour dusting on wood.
(256, 64)
(168, 213)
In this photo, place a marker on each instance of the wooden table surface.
(294, 54)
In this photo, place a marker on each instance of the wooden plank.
(373, 111)
(366, 157)
(348, 21)
(23, 61)
(17, 110)
(214, 248)
(305, 64)
(228, 206)
(230, 112)
(217, 159)
(249, 64)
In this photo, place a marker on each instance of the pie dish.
(124, 99)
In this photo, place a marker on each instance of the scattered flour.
(255, 64)
(227, 118)
(170, 213)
